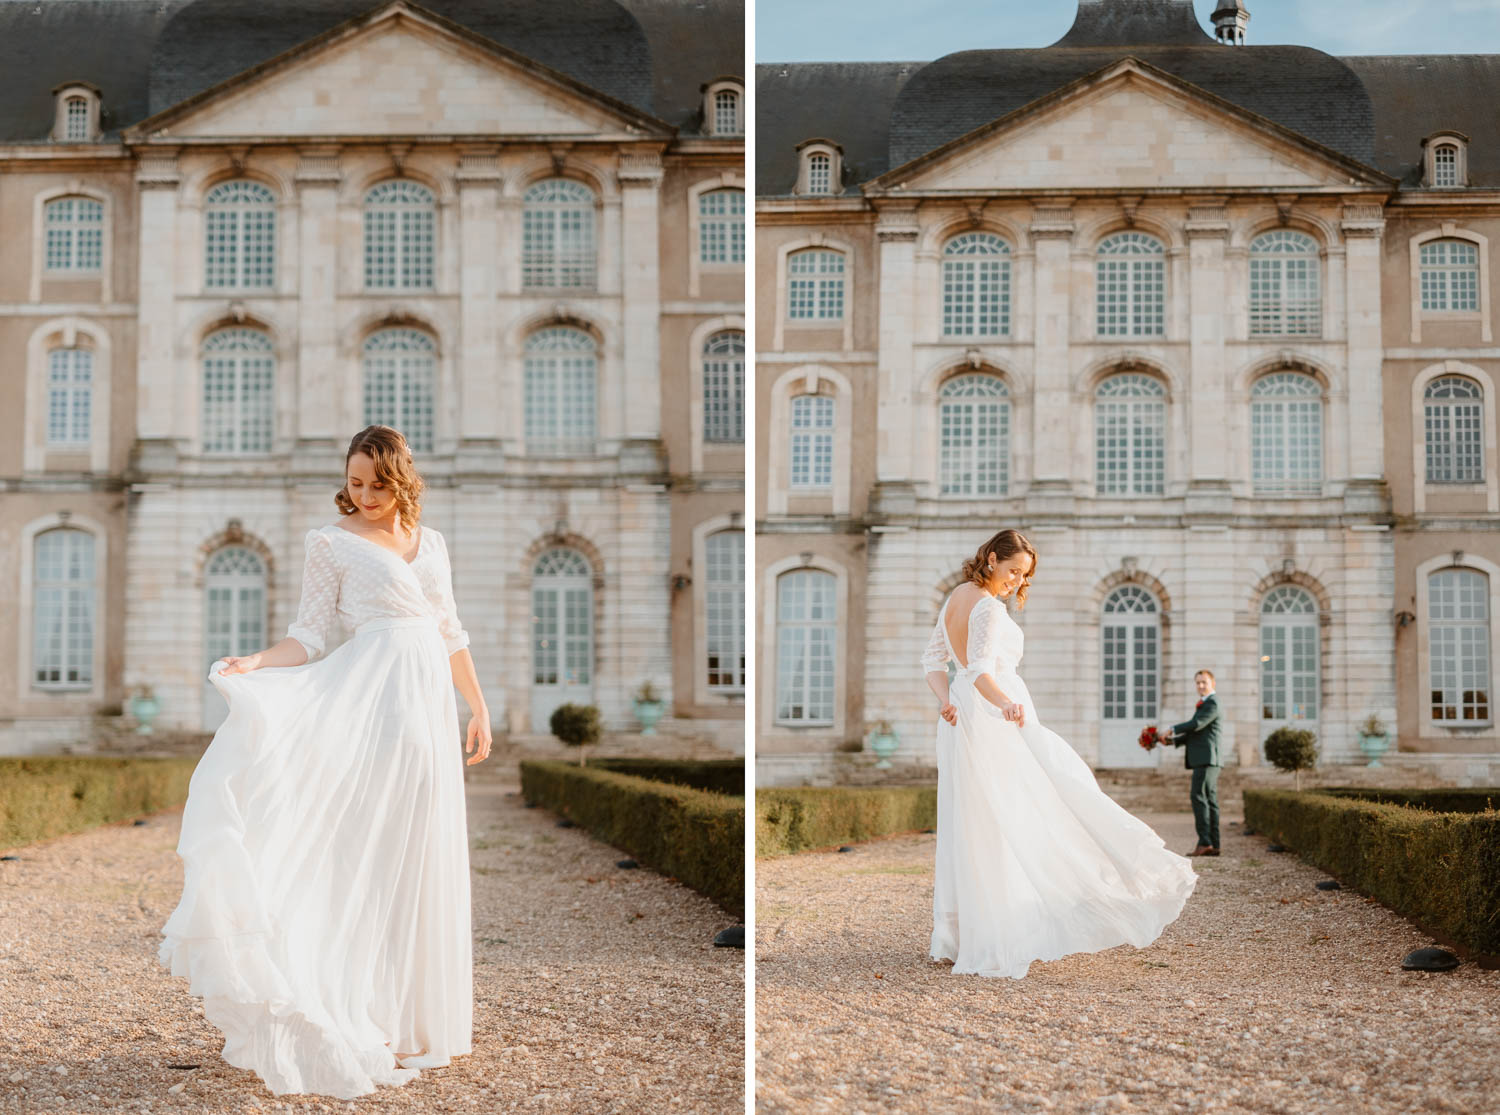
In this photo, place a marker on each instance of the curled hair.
(393, 467)
(1005, 544)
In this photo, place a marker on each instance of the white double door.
(562, 636)
(234, 618)
(1130, 679)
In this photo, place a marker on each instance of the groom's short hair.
(1209, 673)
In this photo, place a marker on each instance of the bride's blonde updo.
(1006, 544)
(393, 467)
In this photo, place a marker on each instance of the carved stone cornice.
(1208, 221)
(640, 169)
(318, 165)
(479, 165)
(1363, 220)
(157, 169)
(1052, 222)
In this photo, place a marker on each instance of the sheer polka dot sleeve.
(455, 638)
(317, 612)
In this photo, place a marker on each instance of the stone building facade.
(236, 233)
(1210, 322)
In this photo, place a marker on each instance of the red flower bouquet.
(1150, 737)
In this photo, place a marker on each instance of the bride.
(1034, 861)
(325, 906)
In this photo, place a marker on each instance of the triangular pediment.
(1130, 127)
(398, 71)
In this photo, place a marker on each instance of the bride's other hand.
(1016, 711)
(949, 713)
(478, 735)
(243, 665)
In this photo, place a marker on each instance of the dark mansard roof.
(147, 55)
(884, 114)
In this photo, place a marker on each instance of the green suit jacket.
(1199, 737)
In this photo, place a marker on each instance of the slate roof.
(147, 55)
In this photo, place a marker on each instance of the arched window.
(806, 635)
(974, 436)
(562, 634)
(400, 216)
(1285, 298)
(76, 120)
(727, 121)
(976, 286)
(75, 235)
(1445, 165)
(1130, 674)
(819, 173)
(724, 552)
(1459, 645)
(811, 443)
(1286, 434)
(1131, 286)
(1450, 275)
(1130, 444)
(561, 371)
(239, 392)
(234, 615)
(815, 285)
(724, 387)
(1454, 418)
(721, 226)
(63, 603)
(70, 392)
(400, 367)
(1288, 658)
(239, 236)
(558, 235)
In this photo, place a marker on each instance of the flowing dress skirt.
(1034, 861)
(324, 917)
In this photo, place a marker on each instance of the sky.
(921, 30)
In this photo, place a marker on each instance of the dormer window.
(820, 167)
(1445, 161)
(77, 117)
(724, 107)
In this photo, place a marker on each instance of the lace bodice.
(996, 641)
(351, 580)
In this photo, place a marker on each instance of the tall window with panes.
(976, 286)
(1131, 285)
(63, 602)
(1450, 276)
(1130, 444)
(239, 392)
(76, 120)
(557, 236)
(70, 389)
(724, 387)
(721, 226)
(974, 436)
(812, 443)
(400, 216)
(727, 120)
(819, 173)
(75, 235)
(815, 285)
(1453, 420)
(561, 371)
(1459, 646)
(1285, 294)
(400, 373)
(1445, 165)
(724, 553)
(1286, 434)
(239, 236)
(806, 638)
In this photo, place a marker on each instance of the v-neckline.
(421, 539)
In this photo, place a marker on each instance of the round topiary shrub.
(1292, 749)
(576, 725)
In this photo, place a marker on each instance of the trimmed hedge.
(1439, 800)
(41, 798)
(801, 818)
(695, 836)
(721, 776)
(1441, 870)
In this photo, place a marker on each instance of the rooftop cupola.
(1231, 18)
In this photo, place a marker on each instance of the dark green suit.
(1199, 739)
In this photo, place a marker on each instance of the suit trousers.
(1206, 805)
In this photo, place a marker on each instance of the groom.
(1200, 739)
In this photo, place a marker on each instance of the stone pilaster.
(1051, 411)
(1363, 227)
(640, 185)
(159, 437)
(321, 409)
(479, 403)
(896, 231)
(1208, 375)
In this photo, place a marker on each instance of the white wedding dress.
(1034, 861)
(325, 906)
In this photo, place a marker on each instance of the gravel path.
(596, 989)
(1266, 995)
